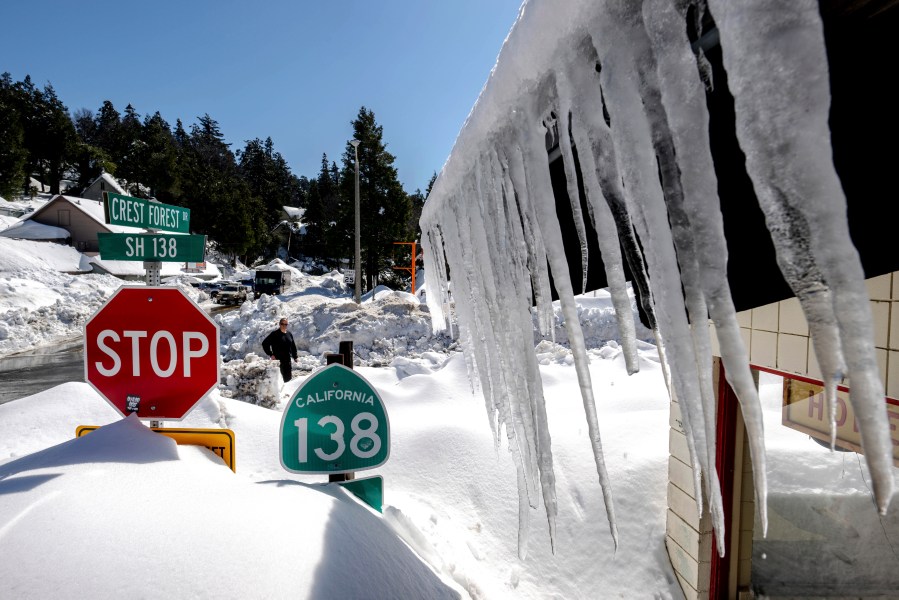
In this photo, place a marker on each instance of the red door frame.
(725, 440)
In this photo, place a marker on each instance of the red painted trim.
(805, 379)
(725, 438)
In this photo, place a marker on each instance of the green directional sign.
(335, 423)
(370, 490)
(137, 212)
(161, 247)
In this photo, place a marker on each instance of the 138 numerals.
(365, 442)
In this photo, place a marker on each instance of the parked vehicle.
(211, 287)
(233, 293)
(271, 282)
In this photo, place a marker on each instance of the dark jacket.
(280, 345)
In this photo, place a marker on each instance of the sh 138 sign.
(334, 423)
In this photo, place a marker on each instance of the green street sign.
(335, 423)
(370, 490)
(137, 212)
(161, 247)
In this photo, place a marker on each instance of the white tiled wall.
(777, 335)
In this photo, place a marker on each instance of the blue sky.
(296, 71)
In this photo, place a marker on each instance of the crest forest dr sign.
(149, 247)
(137, 212)
(152, 351)
(335, 423)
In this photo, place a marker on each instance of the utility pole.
(357, 296)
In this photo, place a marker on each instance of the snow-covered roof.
(279, 265)
(111, 182)
(27, 229)
(294, 212)
(34, 183)
(91, 208)
(14, 208)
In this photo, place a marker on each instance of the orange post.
(410, 268)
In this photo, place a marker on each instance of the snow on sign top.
(138, 212)
(152, 351)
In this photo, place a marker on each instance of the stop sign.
(153, 351)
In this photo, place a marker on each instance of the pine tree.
(159, 159)
(13, 155)
(222, 204)
(384, 205)
(269, 178)
(133, 151)
(109, 136)
(316, 216)
(49, 135)
(89, 159)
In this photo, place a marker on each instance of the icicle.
(683, 96)
(756, 34)
(504, 324)
(523, 520)
(536, 251)
(574, 197)
(603, 221)
(533, 155)
(468, 288)
(682, 236)
(536, 405)
(637, 165)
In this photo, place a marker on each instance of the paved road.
(29, 373)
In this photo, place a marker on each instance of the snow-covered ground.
(125, 513)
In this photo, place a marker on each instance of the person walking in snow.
(279, 345)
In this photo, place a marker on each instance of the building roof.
(294, 212)
(91, 208)
(111, 181)
(27, 229)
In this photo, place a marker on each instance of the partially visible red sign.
(153, 351)
(805, 410)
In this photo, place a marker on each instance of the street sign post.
(162, 247)
(145, 214)
(151, 351)
(335, 423)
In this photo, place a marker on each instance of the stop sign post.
(153, 351)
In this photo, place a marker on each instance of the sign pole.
(153, 276)
(154, 267)
(344, 357)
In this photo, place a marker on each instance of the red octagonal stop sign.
(153, 351)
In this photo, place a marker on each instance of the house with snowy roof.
(82, 218)
(103, 183)
(721, 163)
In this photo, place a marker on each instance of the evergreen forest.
(235, 196)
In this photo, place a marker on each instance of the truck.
(231, 293)
(271, 282)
